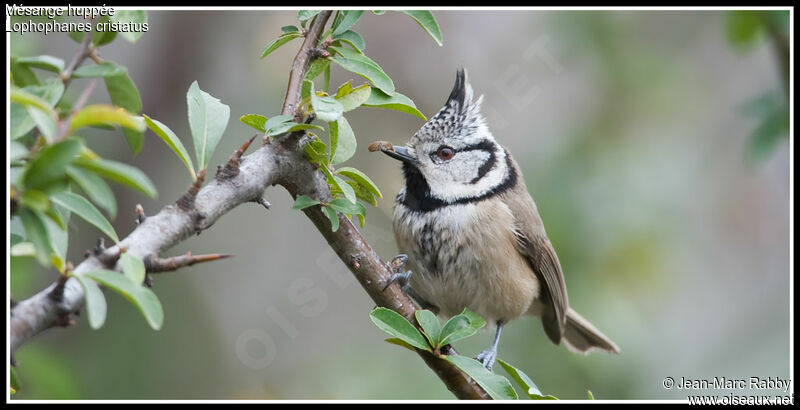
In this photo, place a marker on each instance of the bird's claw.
(487, 358)
(402, 278)
(399, 276)
(398, 263)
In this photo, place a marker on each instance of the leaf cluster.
(433, 336)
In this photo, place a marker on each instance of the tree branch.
(85, 50)
(153, 235)
(353, 250)
(300, 64)
(282, 163)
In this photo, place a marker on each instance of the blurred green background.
(638, 135)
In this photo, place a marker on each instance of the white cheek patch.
(453, 183)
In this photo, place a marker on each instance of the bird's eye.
(446, 153)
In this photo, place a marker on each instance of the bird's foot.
(402, 278)
(399, 276)
(487, 358)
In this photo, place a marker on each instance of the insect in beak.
(397, 152)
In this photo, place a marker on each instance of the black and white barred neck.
(479, 169)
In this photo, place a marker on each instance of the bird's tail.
(580, 336)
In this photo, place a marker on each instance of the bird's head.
(454, 156)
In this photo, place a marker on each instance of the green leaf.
(99, 37)
(22, 75)
(21, 120)
(22, 250)
(378, 12)
(36, 200)
(45, 122)
(316, 153)
(399, 342)
(431, 325)
(290, 29)
(95, 301)
(49, 165)
(254, 120)
(743, 27)
(36, 233)
(305, 90)
(303, 202)
(363, 194)
(16, 151)
(332, 216)
(396, 101)
(77, 36)
(346, 19)
(475, 320)
(326, 80)
(143, 298)
(428, 22)
(361, 178)
(353, 39)
(281, 124)
(95, 188)
(59, 238)
(362, 65)
(305, 15)
(21, 96)
(352, 98)
(317, 67)
(525, 382)
(498, 387)
(84, 209)
(134, 138)
(138, 17)
(208, 118)
(326, 108)
(104, 69)
(457, 328)
(281, 40)
(132, 267)
(99, 114)
(397, 326)
(124, 94)
(346, 207)
(48, 63)
(121, 173)
(771, 110)
(343, 141)
(589, 395)
(172, 140)
(56, 218)
(346, 189)
(13, 380)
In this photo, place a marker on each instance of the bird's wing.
(532, 242)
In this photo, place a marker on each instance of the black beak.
(401, 153)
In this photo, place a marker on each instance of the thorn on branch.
(57, 294)
(101, 253)
(100, 248)
(154, 264)
(231, 169)
(186, 202)
(140, 216)
(263, 202)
